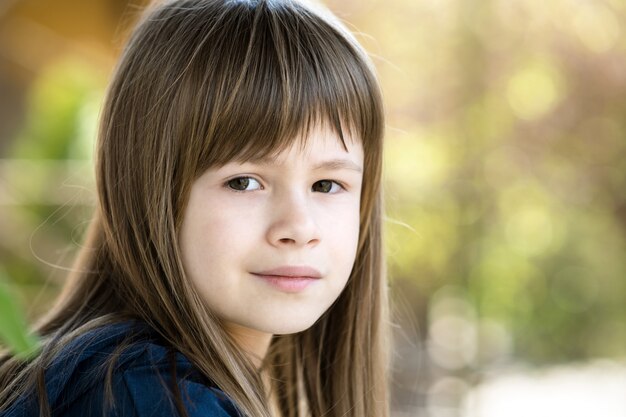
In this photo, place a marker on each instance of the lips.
(291, 272)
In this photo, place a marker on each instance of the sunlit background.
(505, 187)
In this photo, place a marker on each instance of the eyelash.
(341, 186)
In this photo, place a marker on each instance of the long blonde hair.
(200, 83)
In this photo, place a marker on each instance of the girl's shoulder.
(147, 376)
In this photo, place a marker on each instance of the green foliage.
(48, 173)
(505, 165)
(63, 104)
(13, 328)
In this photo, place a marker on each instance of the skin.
(287, 214)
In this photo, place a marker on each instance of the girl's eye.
(242, 184)
(327, 186)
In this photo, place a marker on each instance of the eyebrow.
(331, 164)
(334, 164)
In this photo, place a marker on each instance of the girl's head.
(239, 136)
(212, 97)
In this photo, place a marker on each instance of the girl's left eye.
(326, 186)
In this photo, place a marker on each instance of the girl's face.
(300, 210)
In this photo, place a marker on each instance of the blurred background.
(505, 185)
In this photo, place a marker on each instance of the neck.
(253, 342)
(256, 344)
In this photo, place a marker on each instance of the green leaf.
(13, 328)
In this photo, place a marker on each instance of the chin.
(287, 325)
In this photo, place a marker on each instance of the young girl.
(233, 266)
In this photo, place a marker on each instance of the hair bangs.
(288, 73)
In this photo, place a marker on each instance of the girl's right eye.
(241, 184)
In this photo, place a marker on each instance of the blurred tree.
(49, 176)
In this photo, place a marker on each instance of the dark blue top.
(141, 380)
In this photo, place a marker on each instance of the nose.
(293, 222)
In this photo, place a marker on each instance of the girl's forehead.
(318, 143)
(317, 162)
(311, 142)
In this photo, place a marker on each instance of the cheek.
(218, 220)
(342, 233)
(211, 238)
